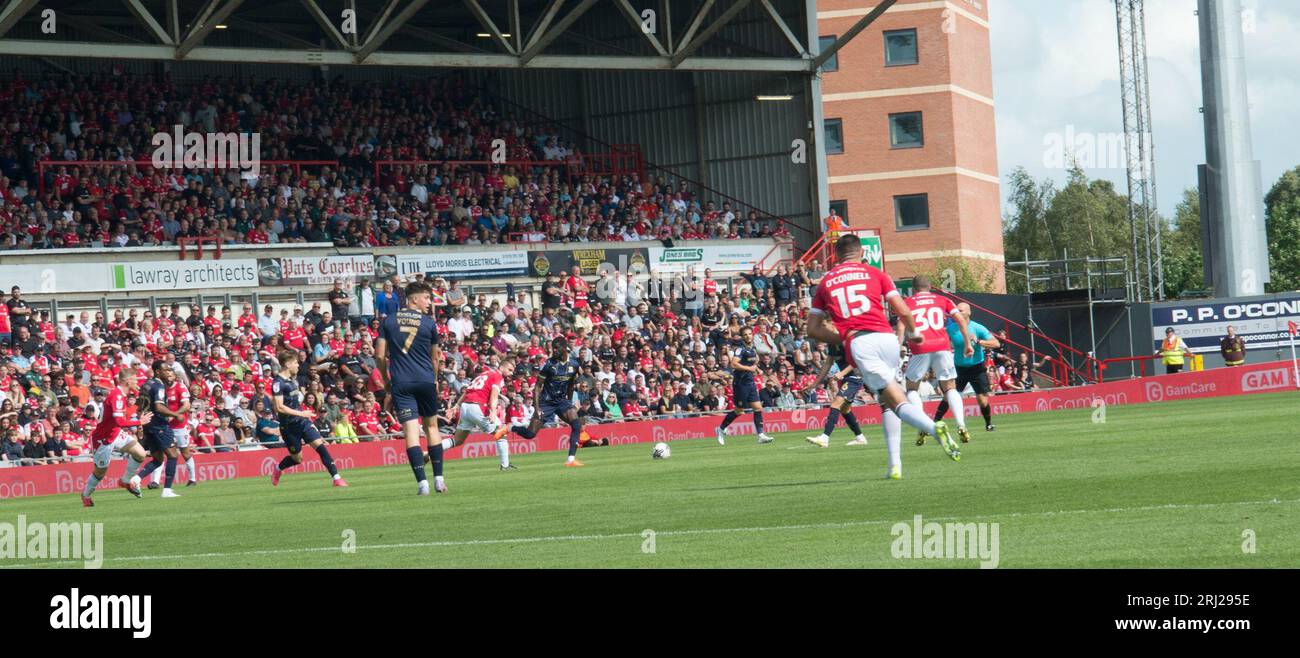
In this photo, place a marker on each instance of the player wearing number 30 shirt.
(850, 306)
(934, 353)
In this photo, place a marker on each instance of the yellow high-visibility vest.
(1172, 352)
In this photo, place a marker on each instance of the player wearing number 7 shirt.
(850, 307)
(934, 354)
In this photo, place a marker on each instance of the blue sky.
(1055, 65)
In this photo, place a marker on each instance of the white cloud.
(1056, 65)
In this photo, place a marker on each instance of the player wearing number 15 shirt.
(408, 360)
(854, 297)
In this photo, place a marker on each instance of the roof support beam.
(142, 14)
(149, 51)
(326, 24)
(635, 19)
(543, 22)
(14, 12)
(380, 20)
(516, 39)
(375, 41)
(853, 32)
(693, 41)
(488, 24)
(208, 20)
(174, 21)
(546, 38)
(785, 29)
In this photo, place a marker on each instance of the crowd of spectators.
(648, 346)
(544, 191)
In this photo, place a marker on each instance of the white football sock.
(503, 451)
(893, 437)
(914, 415)
(954, 403)
(189, 467)
(91, 483)
(914, 397)
(131, 467)
(448, 444)
(157, 476)
(437, 479)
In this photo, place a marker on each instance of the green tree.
(951, 272)
(1282, 223)
(1085, 218)
(1183, 260)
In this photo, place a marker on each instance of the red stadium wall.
(1258, 378)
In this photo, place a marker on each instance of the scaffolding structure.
(1071, 283)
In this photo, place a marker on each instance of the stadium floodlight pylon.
(1139, 149)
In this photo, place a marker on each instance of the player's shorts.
(875, 355)
(473, 419)
(547, 411)
(417, 400)
(296, 432)
(976, 376)
(852, 386)
(940, 362)
(745, 394)
(157, 439)
(182, 436)
(104, 453)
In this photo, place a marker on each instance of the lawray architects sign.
(135, 276)
(183, 275)
(314, 271)
(730, 258)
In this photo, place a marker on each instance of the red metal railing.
(1104, 364)
(823, 249)
(1086, 372)
(44, 165)
(571, 168)
(183, 240)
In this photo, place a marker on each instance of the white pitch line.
(663, 533)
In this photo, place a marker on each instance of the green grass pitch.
(1175, 484)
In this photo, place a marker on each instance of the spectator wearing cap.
(1172, 350)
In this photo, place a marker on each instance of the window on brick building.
(841, 208)
(834, 136)
(832, 64)
(905, 131)
(900, 47)
(912, 212)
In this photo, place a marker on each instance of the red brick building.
(910, 137)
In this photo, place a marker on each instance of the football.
(662, 451)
